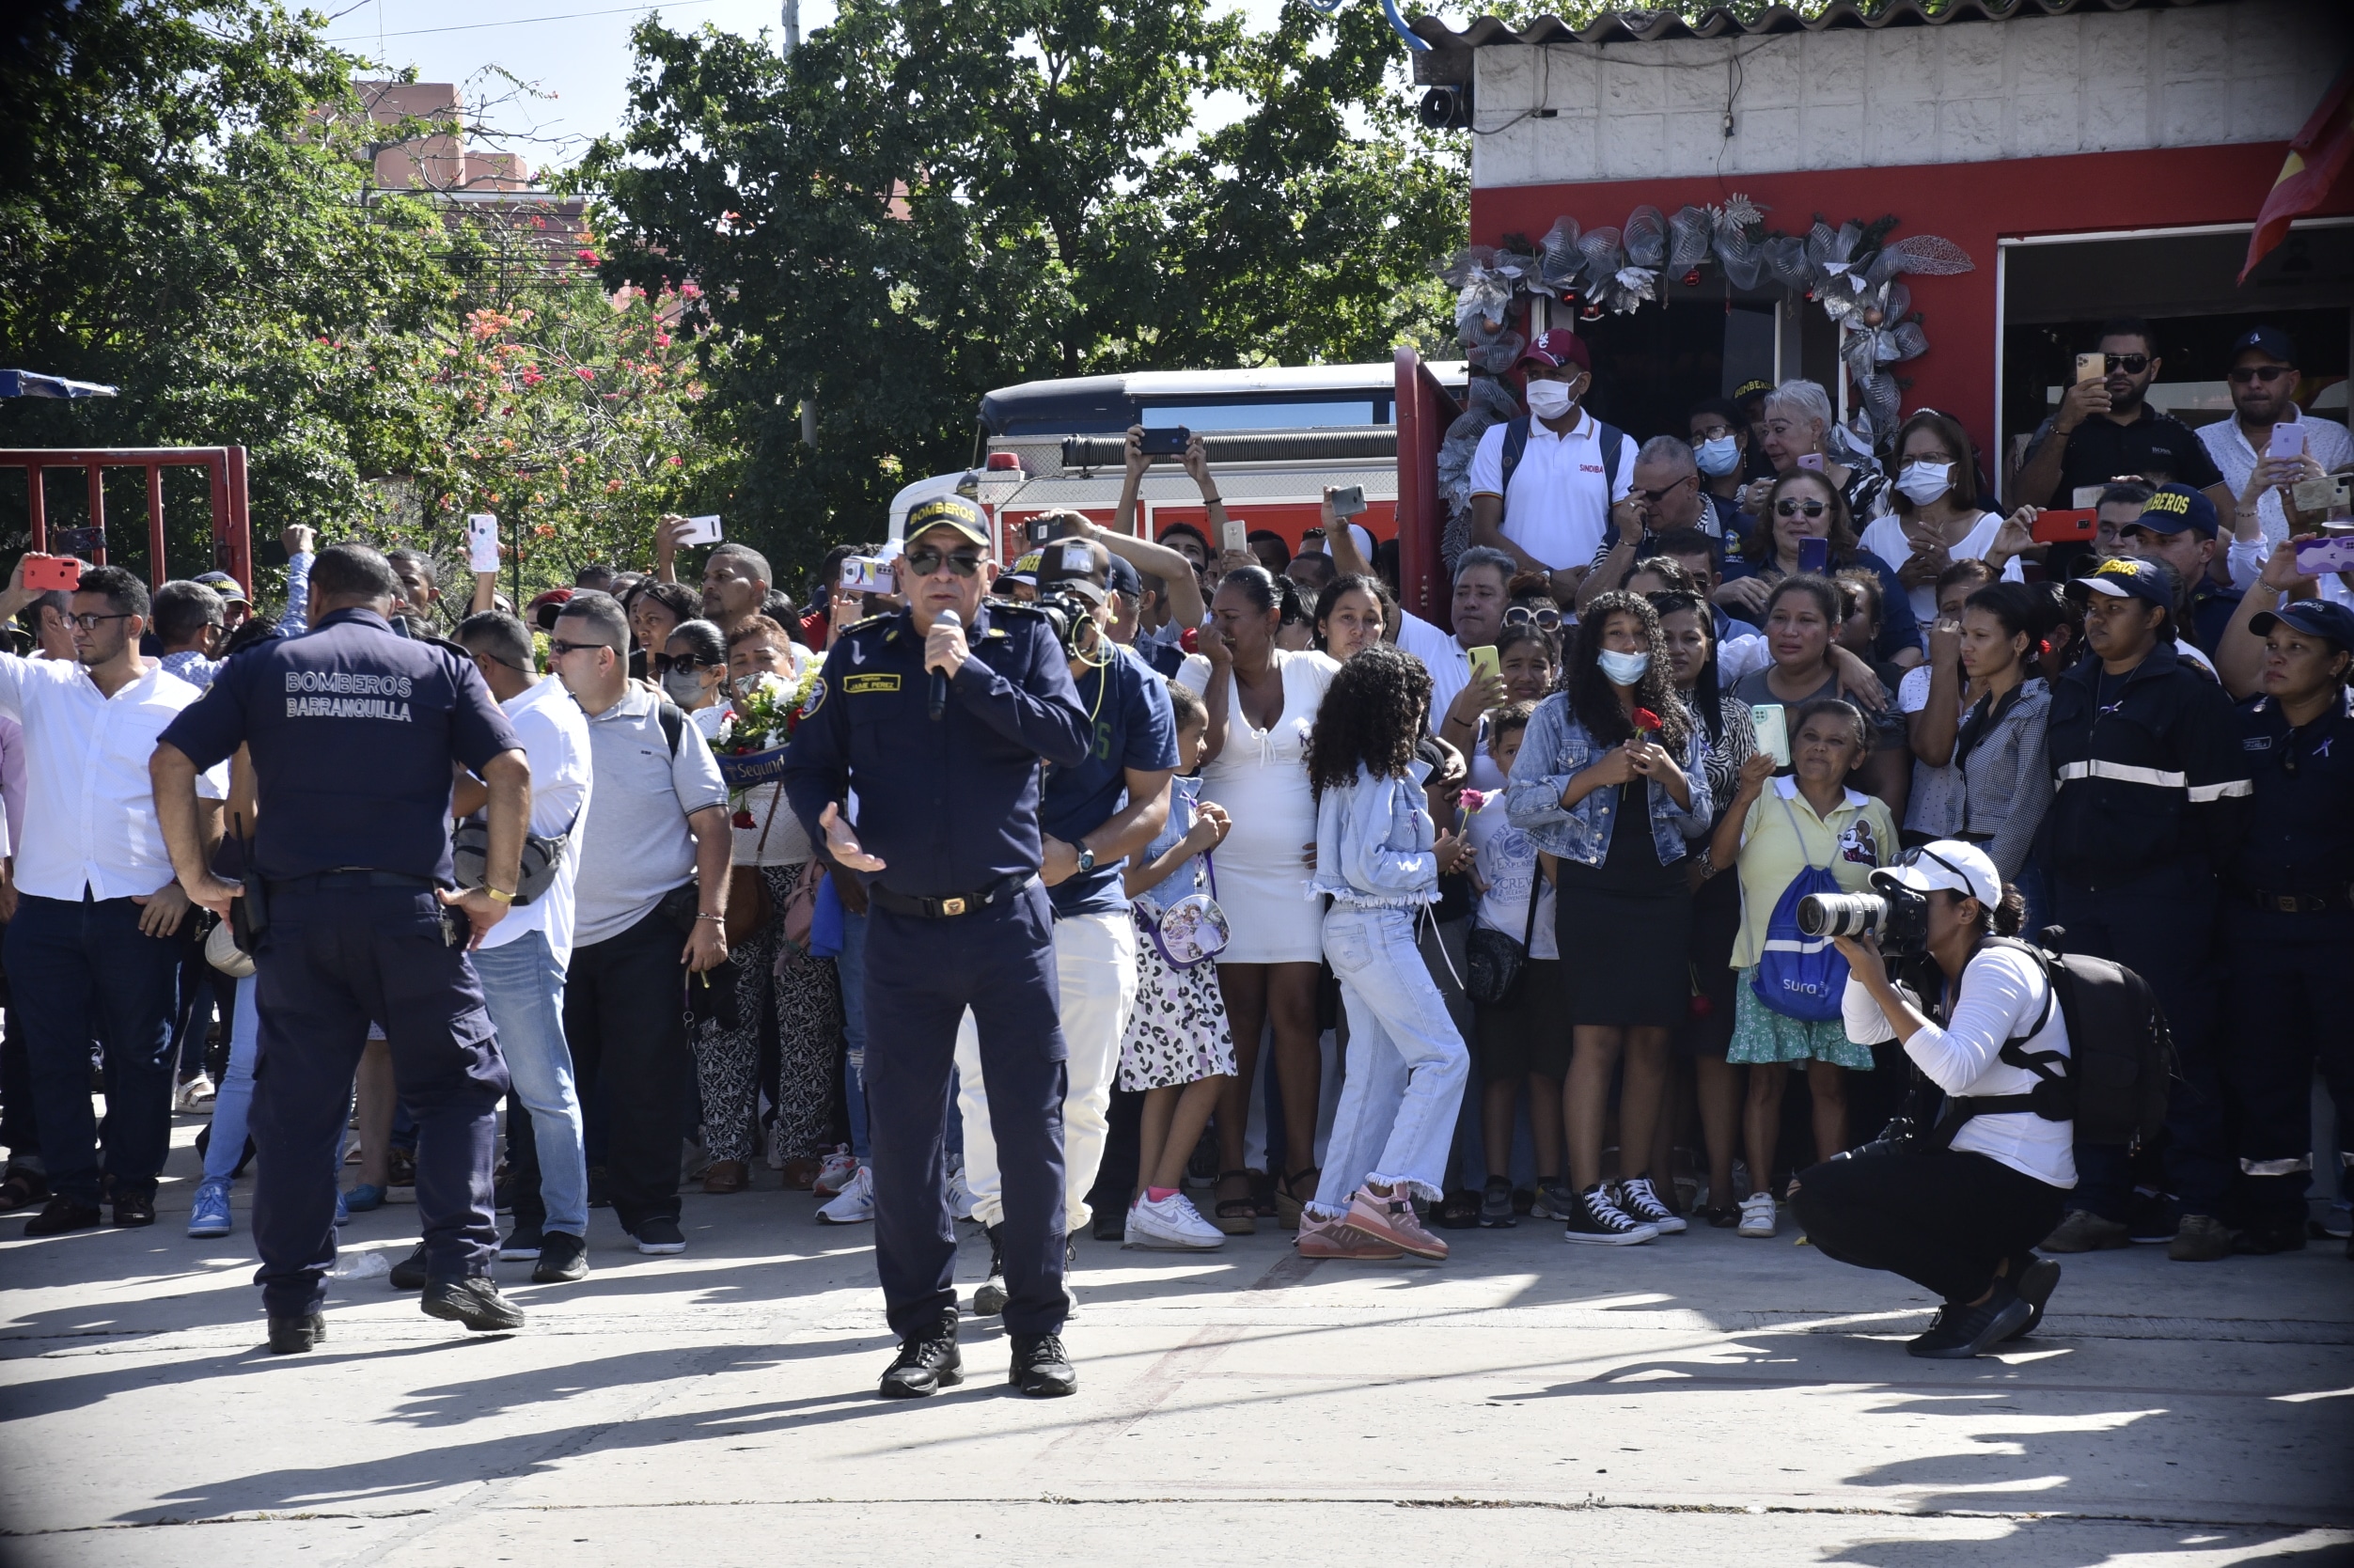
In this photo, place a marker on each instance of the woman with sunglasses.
(1799, 506)
(692, 666)
(1937, 520)
(1262, 702)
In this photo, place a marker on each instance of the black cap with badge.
(1076, 566)
(2316, 617)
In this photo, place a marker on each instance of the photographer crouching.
(1957, 1209)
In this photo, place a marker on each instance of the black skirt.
(1625, 931)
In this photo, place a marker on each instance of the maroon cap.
(1558, 348)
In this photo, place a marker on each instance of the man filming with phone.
(2104, 427)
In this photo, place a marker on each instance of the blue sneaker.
(208, 1215)
(361, 1199)
(342, 1209)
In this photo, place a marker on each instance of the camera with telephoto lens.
(1072, 619)
(1896, 914)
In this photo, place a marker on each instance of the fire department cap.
(2316, 617)
(2175, 506)
(948, 512)
(2127, 578)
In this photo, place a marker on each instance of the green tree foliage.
(929, 200)
(184, 212)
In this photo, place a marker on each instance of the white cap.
(1951, 865)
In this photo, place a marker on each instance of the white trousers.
(1096, 970)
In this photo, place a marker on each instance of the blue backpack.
(1799, 976)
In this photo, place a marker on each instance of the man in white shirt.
(91, 951)
(521, 963)
(2264, 380)
(1567, 470)
(1478, 611)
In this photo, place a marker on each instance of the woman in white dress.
(1263, 703)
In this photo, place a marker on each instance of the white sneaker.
(836, 1171)
(1640, 1201)
(1172, 1225)
(854, 1204)
(1757, 1214)
(960, 1196)
(196, 1091)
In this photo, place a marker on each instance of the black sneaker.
(563, 1259)
(1961, 1332)
(1597, 1222)
(1110, 1222)
(524, 1240)
(297, 1336)
(600, 1188)
(989, 1300)
(1041, 1368)
(1496, 1208)
(2152, 1218)
(660, 1235)
(409, 1272)
(134, 1209)
(925, 1365)
(2035, 1284)
(62, 1214)
(474, 1302)
(1642, 1203)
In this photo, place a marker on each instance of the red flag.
(2316, 155)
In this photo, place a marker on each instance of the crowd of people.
(1361, 926)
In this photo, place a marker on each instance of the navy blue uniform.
(2289, 931)
(351, 731)
(957, 920)
(2151, 787)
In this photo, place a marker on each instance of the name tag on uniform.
(854, 686)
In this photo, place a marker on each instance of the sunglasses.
(1655, 496)
(923, 563)
(2243, 374)
(2132, 364)
(665, 663)
(1544, 620)
(1786, 507)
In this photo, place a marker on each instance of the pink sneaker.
(1336, 1238)
(1393, 1219)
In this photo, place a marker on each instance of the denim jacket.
(1373, 843)
(1558, 747)
(1184, 798)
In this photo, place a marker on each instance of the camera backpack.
(2113, 1085)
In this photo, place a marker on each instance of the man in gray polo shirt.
(655, 830)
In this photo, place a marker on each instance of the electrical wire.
(528, 20)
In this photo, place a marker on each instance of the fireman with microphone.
(914, 769)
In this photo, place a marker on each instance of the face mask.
(1548, 400)
(1923, 483)
(683, 686)
(1718, 457)
(1622, 669)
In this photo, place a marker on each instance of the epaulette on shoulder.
(1015, 607)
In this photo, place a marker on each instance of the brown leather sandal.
(1236, 1217)
(1290, 1200)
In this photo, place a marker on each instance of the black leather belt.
(954, 904)
(337, 881)
(2294, 903)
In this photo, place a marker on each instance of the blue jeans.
(1406, 1062)
(82, 971)
(852, 966)
(234, 1105)
(523, 987)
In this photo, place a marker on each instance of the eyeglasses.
(1788, 508)
(663, 662)
(923, 563)
(1717, 431)
(557, 646)
(2132, 364)
(2242, 374)
(90, 622)
(1544, 620)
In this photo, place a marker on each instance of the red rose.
(742, 819)
(1647, 721)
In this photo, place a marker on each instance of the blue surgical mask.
(1718, 456)
(1622, 669)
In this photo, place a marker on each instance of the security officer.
(938, 726)
(2288, 916)
(2151, 787)
(352, 729)
(2178, 526)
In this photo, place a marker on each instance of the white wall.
(1963, 92)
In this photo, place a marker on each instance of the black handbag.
(1494, 961)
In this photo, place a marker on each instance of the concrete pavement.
(1706, 1398)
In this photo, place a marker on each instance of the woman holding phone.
(1801, 614)
(1801, 506)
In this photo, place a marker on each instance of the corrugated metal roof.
(1721, 21)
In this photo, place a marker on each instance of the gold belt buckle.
(951, 906)
(2288, 903)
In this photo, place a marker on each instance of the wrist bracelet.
(498, 895)
(721, 918)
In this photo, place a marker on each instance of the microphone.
(940, 677)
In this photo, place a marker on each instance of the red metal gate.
(232, 530)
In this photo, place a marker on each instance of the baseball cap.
(1124, 578)
(1023, 570)
(948, 512)
(1948, 865)
(2268, 340)
(1558, 348)
(2313, 617)
(2127, 578)
(228, 588)
(1078, 566)
(2174, 508)
(1752, 388)
(541, 612)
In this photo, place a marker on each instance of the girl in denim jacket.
(1406, 1063)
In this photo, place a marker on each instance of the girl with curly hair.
(1611, 781)
(1375, 859)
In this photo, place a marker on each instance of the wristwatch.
(1087, 859)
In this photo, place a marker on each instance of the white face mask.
(1718, 456)
(1622, 669)
(1923, 483)
(1548, 400)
